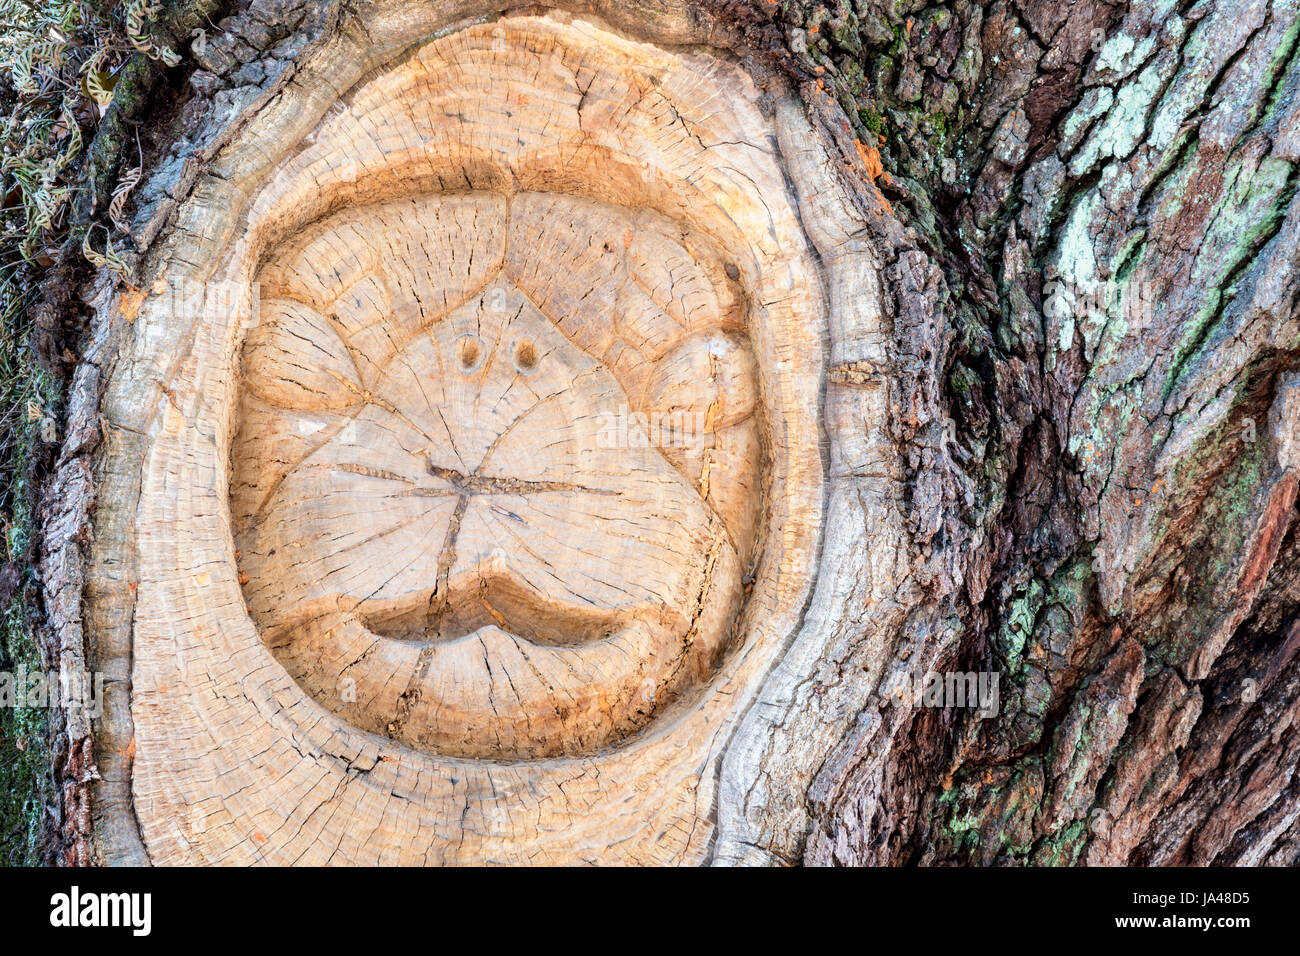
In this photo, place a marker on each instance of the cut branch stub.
(473, 535)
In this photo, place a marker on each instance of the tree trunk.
(648, 432)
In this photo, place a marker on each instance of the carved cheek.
(707, 387)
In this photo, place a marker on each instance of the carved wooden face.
(497, 478)
(524, 446)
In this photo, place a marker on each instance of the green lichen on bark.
(26, 395)
(26, 785)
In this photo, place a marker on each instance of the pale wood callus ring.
(473, 535)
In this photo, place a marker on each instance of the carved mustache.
(455, 611)
(496, 599)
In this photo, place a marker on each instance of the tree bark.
(1034, 414)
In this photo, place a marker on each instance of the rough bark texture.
(1083, 220)
(1125, 459)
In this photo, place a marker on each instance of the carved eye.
(525, 356)
(469, 353)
